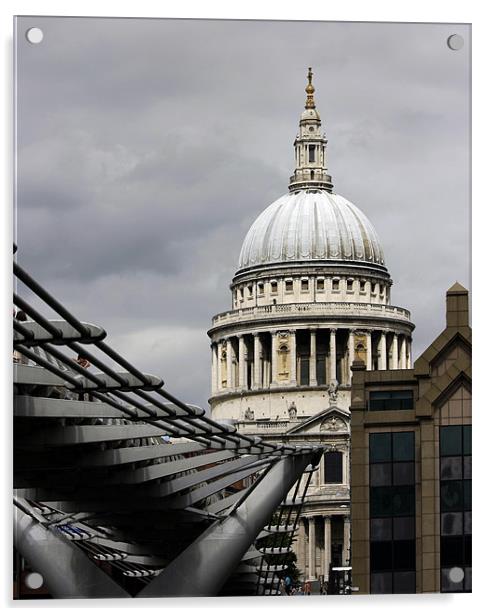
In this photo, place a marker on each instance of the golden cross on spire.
(310, 104)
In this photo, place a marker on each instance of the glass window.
(362, 286)
(380, 447)
(304, 285)
(381, 583)
(455, 459)
(381, 529)
(468, 579)
(335, 285)
(467, 495)
(311, 153)
(451, 551)
(451, 496)
(403, 446)
(320, 284)
(451, 468)
(403, 473)
(403, 528)
(381, 502)
(381, 555)
(467, 440)
(452, 523)
(467, 522)
(447, 585)
(450, 441)
(333, 467)
(468, 550)
(403, 582)
(391, 400)
(380, 474)
(289, 286)
(260, 288)
(403, 555)
(273, 286)
(350, 285)
(404, 500)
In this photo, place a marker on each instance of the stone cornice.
(313, 268)
(238, 393)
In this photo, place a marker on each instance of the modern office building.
(411, 467)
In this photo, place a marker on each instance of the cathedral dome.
(311, 225)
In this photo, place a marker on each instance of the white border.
(472, 11)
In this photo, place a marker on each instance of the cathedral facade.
(311, 295)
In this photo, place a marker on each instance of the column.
(327, 562)
(382, 352)
(274, 358)
(333, 354)
(346, 541)
(312, 548)
(214, 368)
(242, 364)
(312, 360)
(293, 358)
(368, 351)
(404, 352)
(351, 349)
(409, 353)
(219, 365)
(301, 546)
(229, 363)
(394, 352)
(256, 361)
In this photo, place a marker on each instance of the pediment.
(330, 420)
(448, 340)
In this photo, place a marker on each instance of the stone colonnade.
(311, 356)
(310, 562)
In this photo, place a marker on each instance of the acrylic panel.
(237, 247)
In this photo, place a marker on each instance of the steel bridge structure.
(123, 490)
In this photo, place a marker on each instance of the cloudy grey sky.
(146, 148)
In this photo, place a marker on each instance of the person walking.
(288, 584)
(86, 364)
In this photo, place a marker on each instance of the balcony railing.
(354, 309)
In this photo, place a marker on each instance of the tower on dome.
(310, 296)
(310, 146)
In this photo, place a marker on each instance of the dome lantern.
(310, 146)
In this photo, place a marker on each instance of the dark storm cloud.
(147, 147)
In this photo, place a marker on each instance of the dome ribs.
(311, 225)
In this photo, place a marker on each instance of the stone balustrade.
(331, 309)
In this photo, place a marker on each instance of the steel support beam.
(67, 572)
(203, 568)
